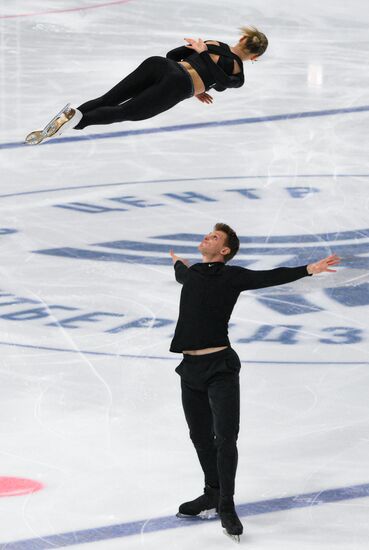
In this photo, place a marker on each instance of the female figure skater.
(159, 83)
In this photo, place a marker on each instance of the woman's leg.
(136, 82)
(159, 86)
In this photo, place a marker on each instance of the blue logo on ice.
(7, 231)
(290, 250)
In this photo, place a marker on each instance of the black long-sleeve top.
(209, 294)
(214, 75)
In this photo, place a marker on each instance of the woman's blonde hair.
(256, 42)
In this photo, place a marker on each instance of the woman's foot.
(66, 118)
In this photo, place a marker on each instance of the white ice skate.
(68, 117)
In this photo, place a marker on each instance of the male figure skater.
(210, 368)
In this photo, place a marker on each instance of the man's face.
(213, 244)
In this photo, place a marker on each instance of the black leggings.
(211, 403)
(155, 86)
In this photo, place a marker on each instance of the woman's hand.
(176, 258)
(197, 45)
(204, 98)
(323, 265)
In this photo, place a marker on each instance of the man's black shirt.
(209, 294)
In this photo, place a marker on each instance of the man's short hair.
(232, 241)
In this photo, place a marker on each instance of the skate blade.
(71, 123)
(51, 129)
(75, 118)
(34, 138)
(235, 538)
(206, 514)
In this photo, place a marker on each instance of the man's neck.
(212, 260)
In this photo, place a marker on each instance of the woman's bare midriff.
(204, 351)
(198, 84)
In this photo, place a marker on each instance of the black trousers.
(211, 403)
(155, 86)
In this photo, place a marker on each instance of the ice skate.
(230, 521)
(203, 507)
(68, 117)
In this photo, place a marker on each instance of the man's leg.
(225, 404)
(200, 422)
(224, 399)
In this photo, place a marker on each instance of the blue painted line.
(179, 180)
(81, 254)
(194, 126)
(350, 252)
(327, 238)
(319, 239)
(140, 527)
(174, 357)
(162, 248)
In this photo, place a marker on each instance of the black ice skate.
(230, 521)
(66, 118)
(204, 507)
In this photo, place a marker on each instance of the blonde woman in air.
(159, 83)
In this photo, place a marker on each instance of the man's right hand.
(205, 98)
(176, 258)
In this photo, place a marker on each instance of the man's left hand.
(324, 265)
(175, 258)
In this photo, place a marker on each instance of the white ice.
(91, 408)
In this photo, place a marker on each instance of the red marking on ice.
(65, 9)
(16, 486)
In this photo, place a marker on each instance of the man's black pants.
(211, 403)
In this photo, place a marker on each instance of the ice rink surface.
(90, 403)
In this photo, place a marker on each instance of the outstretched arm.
(180, 267)
(248, 279)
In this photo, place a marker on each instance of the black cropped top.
(214, 75)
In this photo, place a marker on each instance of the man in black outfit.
(210, 368)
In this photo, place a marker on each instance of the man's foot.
(229, 518)
(205, 506)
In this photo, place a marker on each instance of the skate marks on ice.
(172, 522)
(198, 125)
(65, 10)
(206, 179)
(166, 358)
